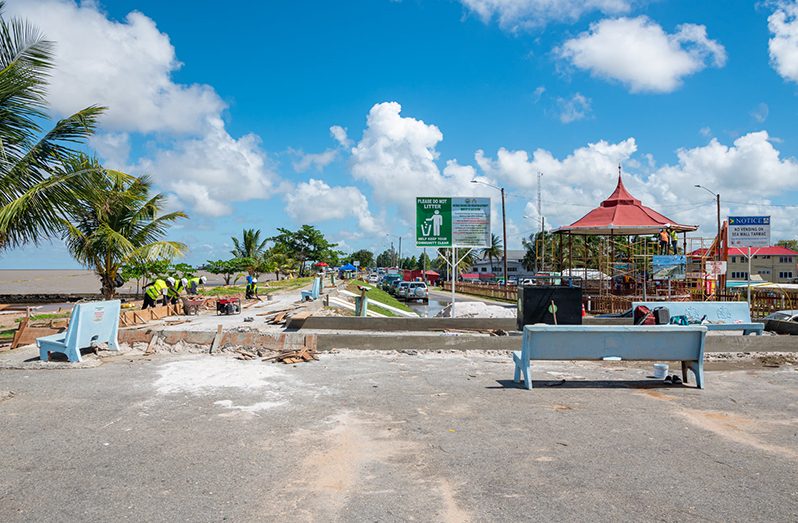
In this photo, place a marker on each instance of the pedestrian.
(153, 291)
(664, 241)
(674, 241)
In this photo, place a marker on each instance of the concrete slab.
(391, 437)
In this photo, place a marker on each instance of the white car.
(373, 278)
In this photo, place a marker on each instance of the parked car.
(400, 291)
(394, 286)
(387, 281)
(373, 278)
(414, 290)
(786, 315)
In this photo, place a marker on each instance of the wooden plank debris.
(216, 339)
(290, 356)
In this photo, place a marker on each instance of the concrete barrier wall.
(405, 324)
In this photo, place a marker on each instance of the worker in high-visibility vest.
(153, 291)
(192, 284)
(174, 289)
(251, 291)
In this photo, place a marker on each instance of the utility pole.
(540, 217)
(400, 249)
(717, 252)
(504, 232)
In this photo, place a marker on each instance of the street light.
(717, 200)
(504, 226)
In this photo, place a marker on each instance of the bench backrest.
(715, 311)
(595, 342)
(96, 321)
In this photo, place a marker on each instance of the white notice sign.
(749, 231)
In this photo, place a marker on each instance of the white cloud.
(339, 133)
(213, 171)
(317, 161)
(114, 148)
(783, 46)
(640, 54)
(747, 174)
(526, 14)
(760, 112)
(537, 94)
(315, 201)
(126, 66)
(575, 108)
(396, 156)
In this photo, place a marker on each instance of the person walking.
(664, 241)
(674, 241)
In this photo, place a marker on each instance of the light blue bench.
(90, 324)
(314, 292)
(721, 315)
(612, 342)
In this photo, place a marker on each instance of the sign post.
(749, 231)
(453, 223)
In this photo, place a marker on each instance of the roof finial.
(619, 170)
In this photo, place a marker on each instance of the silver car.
(414, 290)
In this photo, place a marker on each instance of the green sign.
(453, 222)
(434, 222)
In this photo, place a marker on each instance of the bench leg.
(698, 369)
(517, 376)
(113, 344)
(684, 372)
(527, 376)
(44, 355)
(73, 354)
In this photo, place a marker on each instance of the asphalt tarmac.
(363, 436)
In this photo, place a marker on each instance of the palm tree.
(117, 221)
(494, 250)
(34, 183)
(250, 245)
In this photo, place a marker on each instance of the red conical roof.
(622, 213)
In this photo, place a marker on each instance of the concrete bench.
(314, 292)
(721, 315)
(90, 324)
(612, 342)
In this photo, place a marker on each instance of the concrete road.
(393, 437)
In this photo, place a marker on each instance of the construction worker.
(192, 285)
(674, 241)
(252, 288)
(664, 241)
(175, 287)
(153, 291)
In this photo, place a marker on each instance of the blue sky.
(275, 114)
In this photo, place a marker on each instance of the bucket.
(660, 370)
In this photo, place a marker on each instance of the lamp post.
(717, 201)
(717, 249)
(504, 226)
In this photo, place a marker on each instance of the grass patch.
(47, 316)
(379, 295)
(263, 288)
(7, 334)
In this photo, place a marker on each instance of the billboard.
(672, 267)
(452, 222)
(749, 231)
